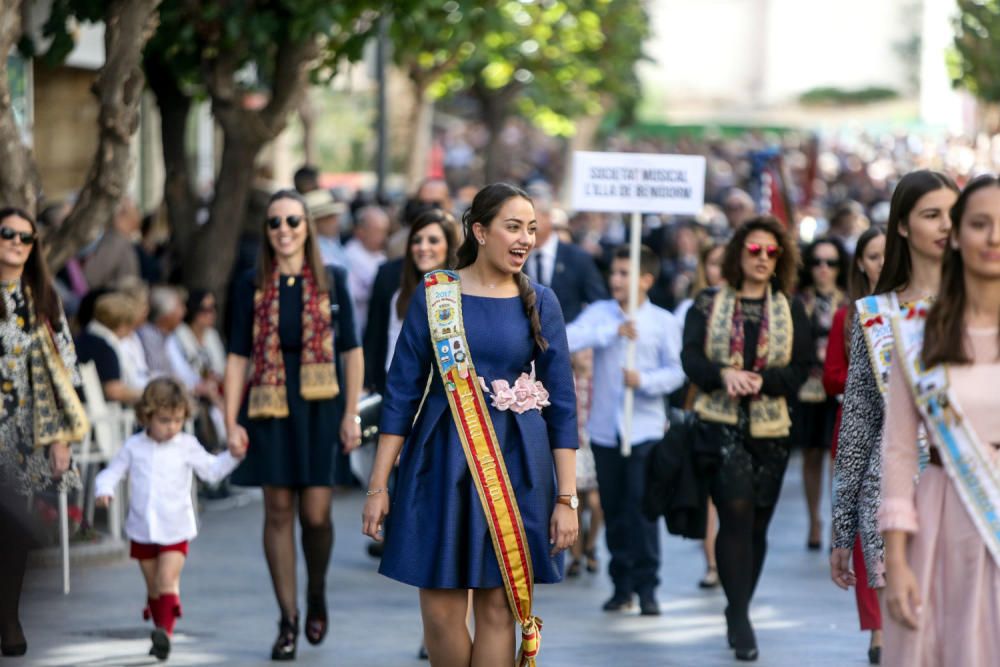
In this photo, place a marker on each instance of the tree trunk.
(494, 104)
(128, 25)
(307, 116)
(178, 192)
(208, 263)
(421, 129)
(18, 178)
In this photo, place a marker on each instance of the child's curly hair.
(164, 393)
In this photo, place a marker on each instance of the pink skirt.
(959, 584)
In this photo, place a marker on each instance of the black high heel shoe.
(741, 638)
(287, 641)
(15, 649)
(875, 655)
(316, 619)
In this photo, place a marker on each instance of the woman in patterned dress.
(916, 239)
(28, 302)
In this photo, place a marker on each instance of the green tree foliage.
(975, 61)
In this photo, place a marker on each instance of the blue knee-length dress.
(436, 534)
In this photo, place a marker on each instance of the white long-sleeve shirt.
(159, 508)
(657, 359)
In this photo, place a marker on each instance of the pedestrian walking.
(40, 414)
(942, 541)
(821, 292)
(748, 349)
(606, 327)
(485, 494)
(914, 246)
(161, 522)
(864, 274)
(292, 322)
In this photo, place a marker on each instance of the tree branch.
(128, 26)
(18, 177)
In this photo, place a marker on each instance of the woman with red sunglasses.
(748, 349)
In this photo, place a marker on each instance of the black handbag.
(370, 412)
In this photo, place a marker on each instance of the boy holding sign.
(605, 327)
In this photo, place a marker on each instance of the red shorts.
(142, 551)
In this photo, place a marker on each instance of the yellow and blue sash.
(482, 452)
(963, 456)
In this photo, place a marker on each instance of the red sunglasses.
(755, 249)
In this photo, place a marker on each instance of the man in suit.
(564, 267)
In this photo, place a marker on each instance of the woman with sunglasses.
(865, 270)
(942, 542)
(822, 291)
(748, 349)
(37, 371)
(291, 319)
(915, 242)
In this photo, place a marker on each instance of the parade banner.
(637, 183)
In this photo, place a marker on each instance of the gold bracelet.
(375, 492)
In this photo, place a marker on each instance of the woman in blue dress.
(436, 532)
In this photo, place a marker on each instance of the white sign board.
(638, 182)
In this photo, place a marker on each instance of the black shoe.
(746, 654)
(573, 571)
(814, 546)
(316, 619)
(288, 637)
(741, 637)
(16, 648)
(161, 644)
(375, 549)
(711, 578)
(422, 653)
(648, 606)
(619, 602)
(875, 655)
(591, 560)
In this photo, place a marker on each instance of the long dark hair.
(265, 260)
(485, 207)
(944, 335)
(411, 274)
(898, 264)
(36, 276)
(809, 254)
(784, 270)
(857, 282)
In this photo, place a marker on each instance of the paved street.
(230, 614)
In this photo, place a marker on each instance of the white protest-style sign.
(637, 183)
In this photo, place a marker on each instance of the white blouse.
(160, 509)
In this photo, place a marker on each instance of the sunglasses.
(822, 261)
(755, 250)
(8, 234)
(293, 221)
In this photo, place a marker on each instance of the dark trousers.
(633, 539)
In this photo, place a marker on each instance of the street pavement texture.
(230, 616)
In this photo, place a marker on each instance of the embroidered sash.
(768, 414)
(875, 313)
(482, 452)
(963, 456)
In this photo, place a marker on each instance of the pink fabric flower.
(542, 395)
(524, 394)
(503, 395)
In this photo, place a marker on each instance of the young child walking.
(605, 327)
(161, 519)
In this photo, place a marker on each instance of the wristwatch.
(570, 500)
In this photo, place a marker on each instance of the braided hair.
(485, 207)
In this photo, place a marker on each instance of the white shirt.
(395, 328)
(159, 476)
(657, 358)
(362, 266)
(546, 258)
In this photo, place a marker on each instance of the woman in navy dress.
(436, 535)
(293, 328)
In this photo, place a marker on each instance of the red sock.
(170, 609)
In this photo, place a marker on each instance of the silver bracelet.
(375, 492)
